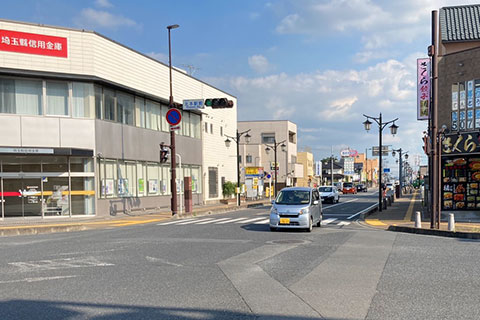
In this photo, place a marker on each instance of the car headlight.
(304, 211)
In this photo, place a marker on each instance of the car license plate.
(284, 221)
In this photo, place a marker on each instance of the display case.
(460, 183)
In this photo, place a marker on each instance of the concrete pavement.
(23, 226)
(400, 216)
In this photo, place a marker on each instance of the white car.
(329, 194)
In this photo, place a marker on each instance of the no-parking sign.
(173, 117)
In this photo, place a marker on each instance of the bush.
(228, 189)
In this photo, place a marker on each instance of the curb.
(435, 232)
(19, 231)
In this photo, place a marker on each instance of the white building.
(81, 119)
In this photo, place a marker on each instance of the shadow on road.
(266, 228)
(41, 309)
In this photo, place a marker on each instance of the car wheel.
(310, 225)
(273, 229)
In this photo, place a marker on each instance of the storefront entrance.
(22, 198)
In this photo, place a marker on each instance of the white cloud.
(259, 63)
(93, 18)
(103, 4)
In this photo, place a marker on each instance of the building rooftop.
(460, 23)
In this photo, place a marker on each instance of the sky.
(321, 64)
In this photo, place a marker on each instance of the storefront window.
(83, 196)
(125, 108)
(196, 182)
(141, 179)
(140, 112)
(153, 179)
(7, 96)
(81, 164)
(28, 97)
(166, 176)
(82, 100)
(57, 98)
(55, 194)
(109, 104)
(55, 164)
(460, 181)
(109, 179)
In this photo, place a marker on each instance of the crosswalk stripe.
(229, 221)
(263, 221)
(251, 220)
(327, 221)
(172, 222)
(206, 221)
(214, 221)
(193, 221)
(343, 223)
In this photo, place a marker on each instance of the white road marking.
(343, 223)
(193, 221)
(37, 279)
(340, 203)
(55, 264)
(172, 222)
(328, 221)
(250, 220)
(263, 221)
(153, 259)
(363, 211)
(232, 220)
(206, 221)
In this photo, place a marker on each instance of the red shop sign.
(33, 43)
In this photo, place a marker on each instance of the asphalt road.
(231, 266)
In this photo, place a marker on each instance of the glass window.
(56, 191)
(141, 176)
(98, 102)
(28, 97)
(109, 104)
(165, 185)
(7, 96)
(82, 100)
(153, 174)
(57, 98)
(83, 196)
(125, 107)
(185, 124)
(211, 128)
(196, 180)
(206, 127)
(268, 137)
(55, 164)
(195, 125)
(153, 115)
(108, 186)
(249, 158)
(81, 164)
(179, 174)
(164, 123)
(221, 131)
(140, 112)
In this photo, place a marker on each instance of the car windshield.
(293, 197)
(347, 185)
(325, 189)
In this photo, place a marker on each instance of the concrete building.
(306, 160)
(266, 133)
(81, 119)
(369, 168)
(459, 109)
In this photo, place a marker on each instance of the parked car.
(361, 187)
(348, 187)
(329, 193)
(296, 208)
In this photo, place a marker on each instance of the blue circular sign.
(173, 117)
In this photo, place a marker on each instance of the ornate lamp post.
(237, 140)
(274, 146)
(381, 126)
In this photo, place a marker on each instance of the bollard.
(418, 220)
(451, 222)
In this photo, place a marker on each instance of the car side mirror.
(315, 202)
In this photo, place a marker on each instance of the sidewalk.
(401, 217)
(34, 225)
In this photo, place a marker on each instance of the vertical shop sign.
(454, 121)
(477, 93)
(470, 94)
(469, 119)
(423, 89)
(462, 95)
(477, 118)
(463, 123)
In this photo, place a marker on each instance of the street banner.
(423, 89)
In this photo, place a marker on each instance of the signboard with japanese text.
(193, 104)
(318, 168)
(463, 96)
(423, 89)
(254, 171)
(470, 94)
(375, 152)
(32, 43)
(461, 143)
(462, 123)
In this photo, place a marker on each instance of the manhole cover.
(288, 241)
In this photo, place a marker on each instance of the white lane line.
(217, 220)
(363, 211)
(206, 221)
(172, 222)
(343, 223)
(263, 221)
(37, 279)
(229, 221)
(327, 221)
(251, 220)
(334, 205)
(192, 221)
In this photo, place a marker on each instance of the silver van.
(296, 207)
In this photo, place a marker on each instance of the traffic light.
(219, 103)
(163, 153)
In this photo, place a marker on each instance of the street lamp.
(237, 140)
(173, 160)
(400, 167)
(381, 125)
(274, 146)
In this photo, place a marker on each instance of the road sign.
(375, 152)
(193, 104)
(173, 128)
(174, 117)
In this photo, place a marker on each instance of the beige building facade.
(306, 160)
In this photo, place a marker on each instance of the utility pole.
(331, 165)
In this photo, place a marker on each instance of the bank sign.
(32, 43)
